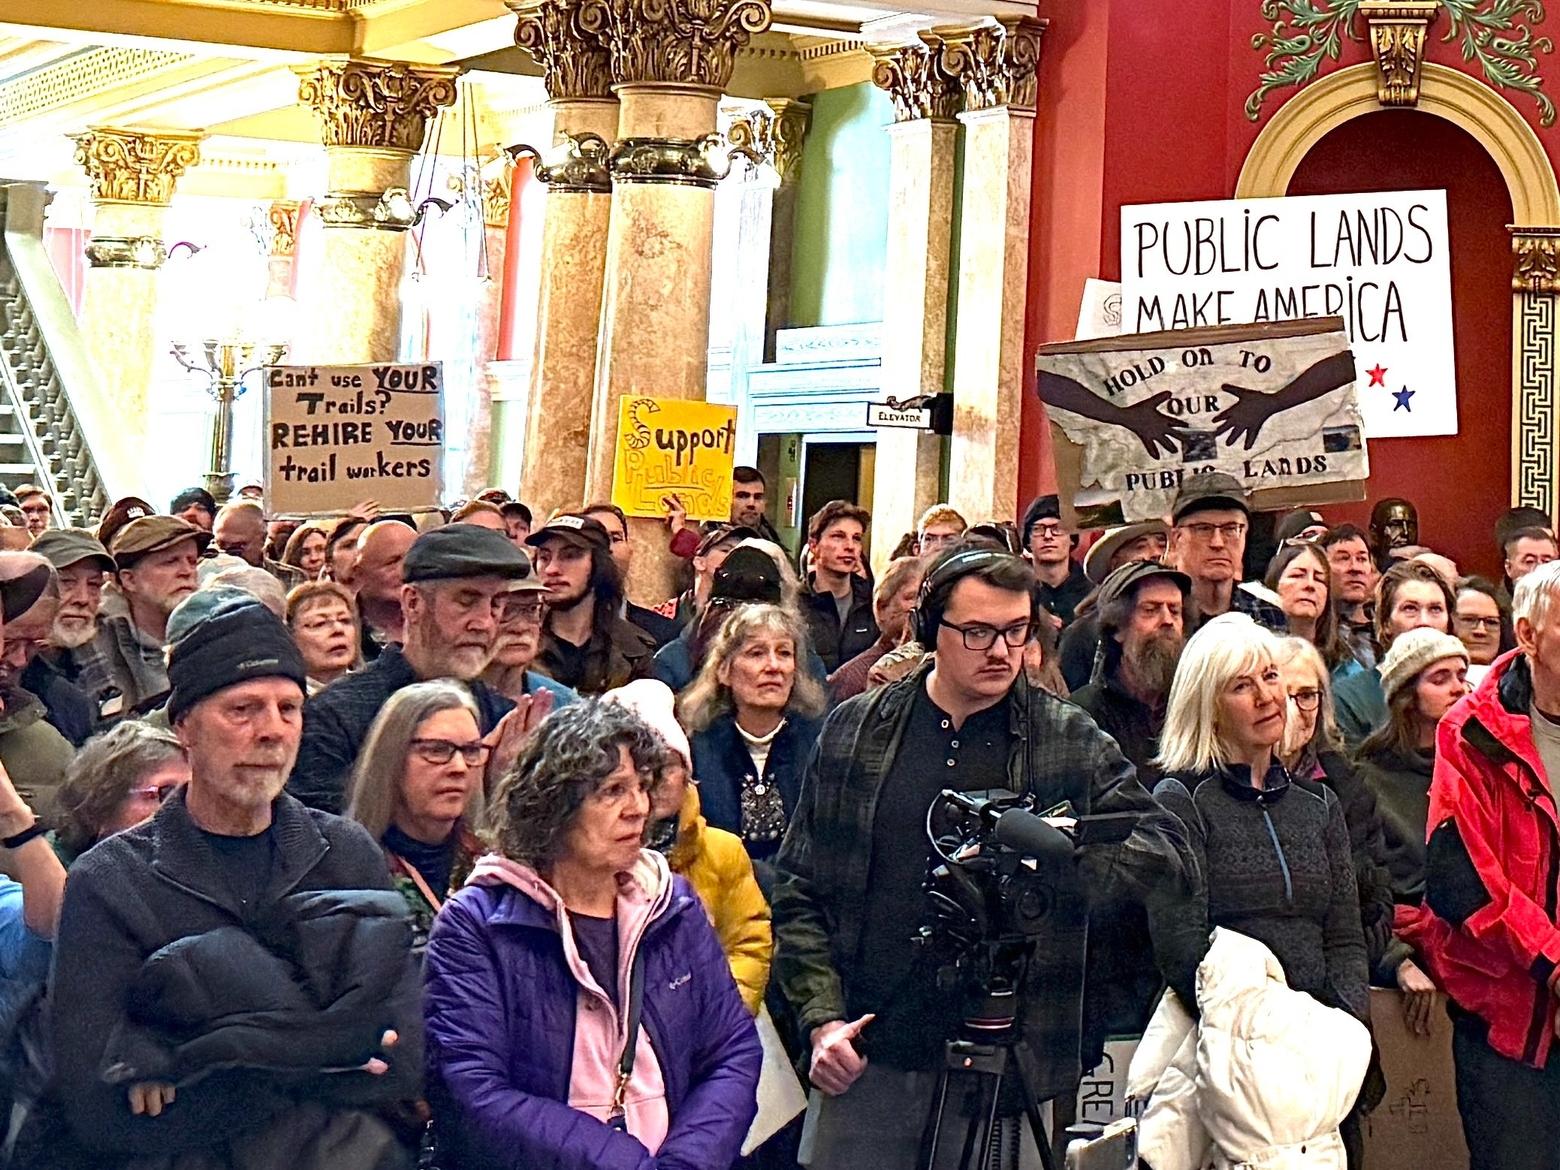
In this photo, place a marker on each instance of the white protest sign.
(1380, 261)
(1099, 313)
(337, 435)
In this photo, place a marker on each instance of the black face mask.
(663, 836)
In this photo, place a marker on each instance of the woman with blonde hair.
(417, 789)
(753, 716)
(323, 619)
(1274, 854)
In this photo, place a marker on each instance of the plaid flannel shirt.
(820, 892)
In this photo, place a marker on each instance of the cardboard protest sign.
(674, 446)
(336, 435)
(1417, 1124)
(1381, 261)
(1273, 405)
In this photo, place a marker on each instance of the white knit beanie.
(1410, 653)
(654, 702)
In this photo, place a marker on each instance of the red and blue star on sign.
(1378, 377)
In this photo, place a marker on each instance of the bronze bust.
(1394, 522)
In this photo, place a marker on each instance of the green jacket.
(820, 892)
(35, 754)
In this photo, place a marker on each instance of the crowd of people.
(379, 841)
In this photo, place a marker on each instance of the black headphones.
(930, 604)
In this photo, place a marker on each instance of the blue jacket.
(501, 999)
(721, 763)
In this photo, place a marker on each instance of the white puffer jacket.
(1261, 1082)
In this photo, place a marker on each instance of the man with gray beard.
(74, 652)
(1142, 616)
(1142, 619)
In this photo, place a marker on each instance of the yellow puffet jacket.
(718, 868)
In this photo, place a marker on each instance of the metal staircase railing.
(43, 364)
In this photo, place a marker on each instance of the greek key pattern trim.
(1535, 470)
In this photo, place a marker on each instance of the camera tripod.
(962, 1127)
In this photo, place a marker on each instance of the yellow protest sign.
(673, 446)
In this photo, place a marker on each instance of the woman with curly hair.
(753, 719)
(580, 1010)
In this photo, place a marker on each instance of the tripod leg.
(959, 1128)
(1028, 1078)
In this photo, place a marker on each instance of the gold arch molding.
(1307, 117)
(1496, 125)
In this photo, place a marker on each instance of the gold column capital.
(915, 80)
(135, 166)
(776, 134)
(282, 215)
(1535, 260)
(565, 39)
(1397, 41)
(995, 60)
(678, 42)
(386, 105)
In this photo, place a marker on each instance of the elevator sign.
(1379, 261)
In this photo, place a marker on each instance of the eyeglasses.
(1234, 530)
(318, 625)
(442, 751)
(1479, 623)
(1306, 700)
(157, 792)
(979, 636)
(528, 610)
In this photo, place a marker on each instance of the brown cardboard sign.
(1133, 415)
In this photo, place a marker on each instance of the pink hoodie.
(644, 892)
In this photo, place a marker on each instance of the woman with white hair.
(1274, 854)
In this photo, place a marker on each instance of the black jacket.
(66, 705)
(1058, 753)
(303, 988)
(1133, 724)
(608, 662)
(336, 722)
(1061, 600)
(135, 893)
(1276, 865)
(661, 629)
(833, 642)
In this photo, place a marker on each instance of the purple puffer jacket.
(500, 1001)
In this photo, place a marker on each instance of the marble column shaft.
(908, 469)
(989, 378)
(133, 176)
(575, 228)
(119, 313)
(351, 300)
(655, 303)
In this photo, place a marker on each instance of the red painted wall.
(1461, 482)
(1139, 107)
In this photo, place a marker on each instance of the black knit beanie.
(235, 643)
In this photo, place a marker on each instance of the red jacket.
(1493, 866)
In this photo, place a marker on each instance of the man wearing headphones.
(849, 898)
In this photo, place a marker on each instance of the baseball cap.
(63, 547)
(1206, 490)
(748, 574)
(1296, 522)
(724, 534)
(121, 513)
(1096, 562)
(1128, 576)
(463, 550)
(580, 531)
(152, 534)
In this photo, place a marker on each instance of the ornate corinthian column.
(374, 117)
(671, 59)
(563, 37)
(995, 63)
(908, 469)
(132, 174)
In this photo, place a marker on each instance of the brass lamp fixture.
(226, 364)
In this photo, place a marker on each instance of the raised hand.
(1243, 417)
